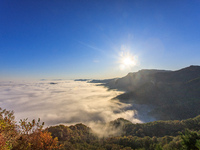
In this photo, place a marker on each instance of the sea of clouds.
(64, 102)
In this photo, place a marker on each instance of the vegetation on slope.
(157, 135)
(165, 135)
(173, 94)
(25, 136)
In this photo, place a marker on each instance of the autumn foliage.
(157, 135)
(25, 136)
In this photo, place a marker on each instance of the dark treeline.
(154, 135)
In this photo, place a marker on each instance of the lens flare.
(127, 60)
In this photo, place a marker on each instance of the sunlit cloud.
(67, 102)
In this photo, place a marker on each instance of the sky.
(96, 39)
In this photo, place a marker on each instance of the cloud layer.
(67, 102)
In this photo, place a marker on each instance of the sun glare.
(127, 60)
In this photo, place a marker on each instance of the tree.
(190, 140)
(34, 137)
(8, 129)
(25, 136)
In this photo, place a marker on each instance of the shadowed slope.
(173, 94)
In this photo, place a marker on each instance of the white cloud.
(67, 102)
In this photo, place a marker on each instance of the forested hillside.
(152, 135)
(172, 94)
(158, 135)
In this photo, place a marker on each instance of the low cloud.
(65, 102)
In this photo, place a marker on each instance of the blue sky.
(84, 39)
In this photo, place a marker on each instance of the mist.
(65, 102)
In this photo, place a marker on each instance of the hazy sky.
(91, 38)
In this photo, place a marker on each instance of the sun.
(127, 61)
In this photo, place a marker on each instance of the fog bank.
(64, 102)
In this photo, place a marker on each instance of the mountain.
(138, 79)
(173, 94)
(81, 79)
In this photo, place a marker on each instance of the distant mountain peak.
(194, 66)
(190, 68)
(147, 71)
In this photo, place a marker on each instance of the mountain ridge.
(174, 94)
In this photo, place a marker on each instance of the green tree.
(190, 140)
